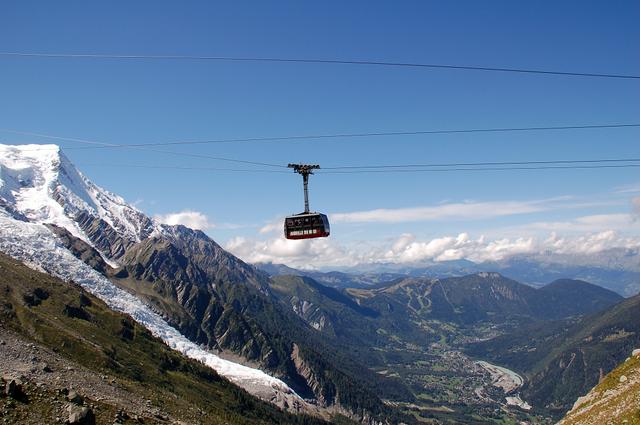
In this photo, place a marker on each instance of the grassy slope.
(33, 304)
(611, 401)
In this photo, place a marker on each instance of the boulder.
(74, 397)
(79, 415)
(636, 352)
(13, 388)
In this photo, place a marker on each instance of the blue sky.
(147, 101)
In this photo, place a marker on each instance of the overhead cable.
(481, 164)
(178, 167)
(428, 170)
(98, 145)
(449, 166)
(317, 61)
(320, 172)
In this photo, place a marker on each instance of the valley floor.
(509, 381)
(451, 386)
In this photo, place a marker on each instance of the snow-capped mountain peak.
(39, 184)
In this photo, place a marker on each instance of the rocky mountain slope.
(232, 309)
(357, 315)
(581, 356)
(571, 297)
(62, 350)
(333, 279)
(615, 400)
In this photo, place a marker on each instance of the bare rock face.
(310, 377)
(103, 236)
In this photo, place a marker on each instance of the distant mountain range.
(614, 269)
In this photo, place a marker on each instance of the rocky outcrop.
(323, 397)
(13, 389)
(80, 249)
(311, 314)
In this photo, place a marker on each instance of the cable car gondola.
(306, 225)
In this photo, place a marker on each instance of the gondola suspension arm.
(305, 170)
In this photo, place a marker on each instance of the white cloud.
(461, 210)
(580, 235)
(590, 243)
(193, 219)
(310, 253)
(407, 249)
(457, 247)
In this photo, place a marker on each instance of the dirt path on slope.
(46, 379)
